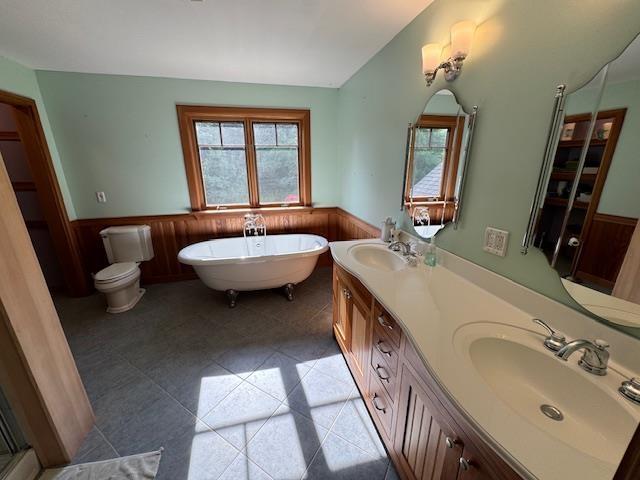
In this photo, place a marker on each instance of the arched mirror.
(438, 150)
(587, 216)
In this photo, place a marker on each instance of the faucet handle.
(556, 340)
(601, 344)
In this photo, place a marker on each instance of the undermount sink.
(555, 396)
(378, 257)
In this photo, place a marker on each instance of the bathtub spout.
(288, 291)
(232, 295)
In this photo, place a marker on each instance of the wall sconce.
(461, 37)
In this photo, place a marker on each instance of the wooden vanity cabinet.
(424, 432)
(351, 322)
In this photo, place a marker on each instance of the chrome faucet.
(406, 250)
(595, 357)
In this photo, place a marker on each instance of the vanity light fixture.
(461, 38)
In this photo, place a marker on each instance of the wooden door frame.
(618, 116)
(48, 190)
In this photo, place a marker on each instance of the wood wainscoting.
(608, 238)
(171, 233)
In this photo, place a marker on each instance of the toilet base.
(119, 308)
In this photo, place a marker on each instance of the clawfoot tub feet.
(232, 295)
(288, 291)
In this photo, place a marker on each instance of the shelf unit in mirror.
(438, 153)
(585, 218)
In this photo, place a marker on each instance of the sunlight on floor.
(283, 441)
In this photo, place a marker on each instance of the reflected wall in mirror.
(588, 220)
(437, 156)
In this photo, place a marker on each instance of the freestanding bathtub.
(254, 263)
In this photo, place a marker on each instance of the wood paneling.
(171, 233)
(628, 281)
(37, 370)
(608, 238)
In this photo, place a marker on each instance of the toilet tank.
(130, 243)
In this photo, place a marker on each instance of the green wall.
(619, 196)
(20, 80)
(522, 50)
(119, 134)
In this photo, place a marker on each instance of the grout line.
(327, 435)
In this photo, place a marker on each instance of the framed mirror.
(438, 151)
(587, 217)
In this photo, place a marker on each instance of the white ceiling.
(290, 42)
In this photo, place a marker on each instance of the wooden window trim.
(189, 114)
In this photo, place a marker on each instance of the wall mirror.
(586, 221)
(438, 152)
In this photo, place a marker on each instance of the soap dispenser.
(387, 228)
(430, 252)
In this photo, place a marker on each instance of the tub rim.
(204, 261)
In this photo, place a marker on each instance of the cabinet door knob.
(347, 293)
(381, 350)
(450, 442)
(383, 321)
(464, 464)
(382, 373)
(374, 400)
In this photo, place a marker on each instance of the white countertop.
(433, 303)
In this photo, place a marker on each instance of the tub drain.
(552, 412)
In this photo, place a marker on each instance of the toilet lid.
(116, 272)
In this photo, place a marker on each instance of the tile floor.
(256, 392)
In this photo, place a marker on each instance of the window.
(246, 157)
(433, 159)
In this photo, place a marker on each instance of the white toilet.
(126, 247)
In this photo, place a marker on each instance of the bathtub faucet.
(254, 224)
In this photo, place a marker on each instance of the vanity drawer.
(380, 405)
(385, 322)
(380, 343)
(380, 369)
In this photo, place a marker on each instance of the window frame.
(188, 115)
(455, 126)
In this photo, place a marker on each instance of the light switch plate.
(496, 241)
(101, 197)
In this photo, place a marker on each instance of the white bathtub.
(254, 263)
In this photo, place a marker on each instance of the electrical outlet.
(101, 197)
(496, 241)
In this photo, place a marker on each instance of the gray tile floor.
(258, 392)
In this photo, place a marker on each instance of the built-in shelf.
(23, 186)
(570, 175)
(563, 202)
(9, 136)
(578, 143)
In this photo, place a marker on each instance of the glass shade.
(431, 57)
(461, 38)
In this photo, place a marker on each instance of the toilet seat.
(116, 272)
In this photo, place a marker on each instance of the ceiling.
(289, 42)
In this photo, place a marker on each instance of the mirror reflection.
(439, 143)
(588, 223)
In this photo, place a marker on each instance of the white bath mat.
(136, 467)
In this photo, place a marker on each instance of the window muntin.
(246, 157)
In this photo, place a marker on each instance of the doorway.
(26, 157)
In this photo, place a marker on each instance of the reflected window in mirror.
(433, 165)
